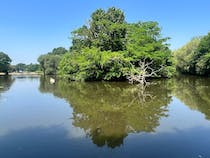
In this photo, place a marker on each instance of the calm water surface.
(167, 119)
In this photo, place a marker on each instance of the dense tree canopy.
(185, 56)
(49, 62)
(194, 57)
(4, 62)
(202, 57)
(109, 48)
(106, 30)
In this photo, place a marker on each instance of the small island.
(110, 49)
(118, 90)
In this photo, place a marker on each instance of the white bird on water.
(52, 80)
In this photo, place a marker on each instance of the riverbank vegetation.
(194, 57)
(49, 62)
(111, 49)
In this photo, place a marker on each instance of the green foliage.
(144, 42)
(58, 51)
(202, 57)
(33, 67)
(194, 57)
(49, 62)
(20, 67)
(4, 62)
(93, 64)
(106, 30)
(108, 48)
(185, 56)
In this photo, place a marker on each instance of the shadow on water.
(109, 111)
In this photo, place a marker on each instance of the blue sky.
(29, 28)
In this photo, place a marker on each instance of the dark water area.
(168, 118)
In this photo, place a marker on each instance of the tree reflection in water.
(108, 111)
(194, 92)
(5, 83)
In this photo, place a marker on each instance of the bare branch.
(144, 71)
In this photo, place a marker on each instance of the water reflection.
(107, 112)
(167, 118)
(194, 92)
(5, 83)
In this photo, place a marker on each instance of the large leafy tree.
(109, 48)
(49, 62)
(145, 45)
(4, 62)
(106, 30)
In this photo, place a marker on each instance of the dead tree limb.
(139, 74)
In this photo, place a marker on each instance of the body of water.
(169, 118)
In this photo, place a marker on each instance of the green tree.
(33, 67)
(111, 49)
(106, 30)
(49, 62)
(58, 51)
(20, 67)
(194, 57)
(149, 51)
(202, 56)
(93, 64)
(185, 56)
(42, 61)
(4, 62)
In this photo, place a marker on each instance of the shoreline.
(22, 74)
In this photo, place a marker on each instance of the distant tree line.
(21, 67)
(6, 67)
